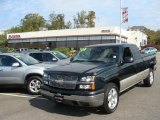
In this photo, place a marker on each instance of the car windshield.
(59, 55)
(26, 59)
(98, 54)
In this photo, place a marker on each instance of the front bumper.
(76, 100)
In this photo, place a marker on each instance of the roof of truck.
(110, 44)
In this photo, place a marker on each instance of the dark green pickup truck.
(97, 74)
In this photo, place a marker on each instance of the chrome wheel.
(148, 82)
(112, 98)
(151, 78)
(34, 85)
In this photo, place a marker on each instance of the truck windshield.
(98, 54)
(59, 55)
(27, 59)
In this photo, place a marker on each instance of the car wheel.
(33, 84)
(148, 82)
(111, 98)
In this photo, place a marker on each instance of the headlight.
(87, 83)
(45, 75)
(87, 79)
(45, 78)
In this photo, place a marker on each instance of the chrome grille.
(63, 81)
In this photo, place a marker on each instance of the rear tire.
(33, 85)
(111, 98)
(148, 82)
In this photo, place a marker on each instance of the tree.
(68, 25)
(80, 19)
(83, 20)
(16, 29)
(3, 40)
(32, 22)
(153, 36)
(57, 21)
(90, 19)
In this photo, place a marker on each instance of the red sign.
(124, 15)
(14, 37)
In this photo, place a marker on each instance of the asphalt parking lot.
(138, 103)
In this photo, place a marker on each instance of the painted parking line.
(20, 96)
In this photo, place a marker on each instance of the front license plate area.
(58, 97)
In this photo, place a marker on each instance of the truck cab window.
(127, 53)
(7, 61)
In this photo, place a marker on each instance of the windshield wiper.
(100, 61)
(79, 61)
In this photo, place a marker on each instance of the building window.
(27, 40)
(95, 37)
(83, 38)
(108, 37)
(34, 40)
(62, 39)
(71, 38)
(51, 39)
(41, 40)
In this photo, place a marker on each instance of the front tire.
(148, 82)
(111, 98)
(33, 85)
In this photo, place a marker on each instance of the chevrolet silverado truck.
(97, 75)
(17, 69)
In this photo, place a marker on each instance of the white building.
(74, 38)
(137, 37)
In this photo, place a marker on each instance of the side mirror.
(128, 59)
(54, 60)
(16, 64)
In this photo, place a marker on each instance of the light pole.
(120, 36)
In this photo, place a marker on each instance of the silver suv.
(55, 57)
(21, 69)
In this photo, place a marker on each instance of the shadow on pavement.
(50, 106)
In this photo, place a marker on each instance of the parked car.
(22, 50)
(49, 56)
(148, 50)
(97, 75)
(21, 69)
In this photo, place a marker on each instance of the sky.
(140, 12)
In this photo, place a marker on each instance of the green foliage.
(7, 49)
(90, 18)
(32, 22)
(63, 50)
(57, 21)
(83, 19)
(71, 52)
(3, 40)
(153, 36)
(68, 25)
(66, 51)
(16, 29)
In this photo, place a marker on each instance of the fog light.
(45, 82)
(85, 87)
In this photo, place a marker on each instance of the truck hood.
(82, 67)
(59, 62)
(44, 65)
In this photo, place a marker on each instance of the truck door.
(127, 73)
(141, 68)
(8, 73)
